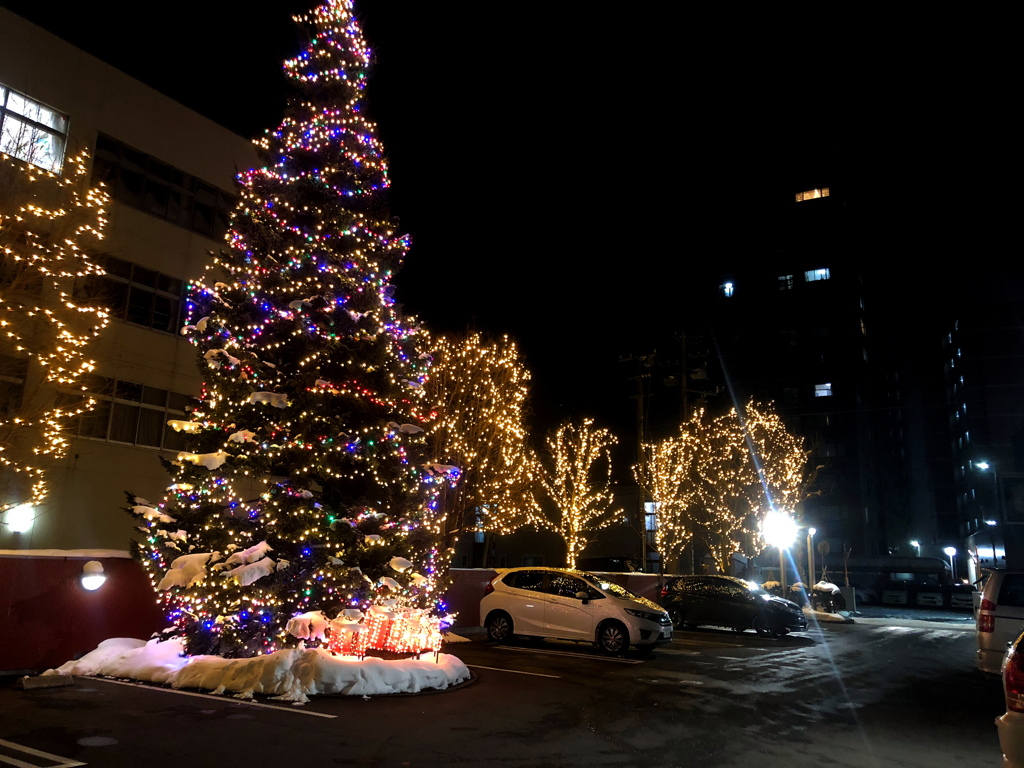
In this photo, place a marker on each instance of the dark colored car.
(723, 601)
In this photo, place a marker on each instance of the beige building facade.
(170, 173)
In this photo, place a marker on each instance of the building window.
(790, 395)
(32, 132)
(785, 282)
(136, 294)
(811, 194)
(127, 412)
(823, 390)
(727, 289)
(650, 522)
(151, 185)
(813, 275)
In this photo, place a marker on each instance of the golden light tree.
(576, 479)
(662, 472)
(720, 476)
(478, 389)
(49, 223)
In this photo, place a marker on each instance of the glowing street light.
(950, 552)
(916, 545)
(779, 530)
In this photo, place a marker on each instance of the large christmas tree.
(304, 489)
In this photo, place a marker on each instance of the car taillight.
(1013, 680)
(488, 589)
(986, 622)
(987, 605)
(664, 591)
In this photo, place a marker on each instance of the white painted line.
(514, 671)
(221, 699)
(570, 653)
(62, 762)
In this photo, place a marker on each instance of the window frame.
(59, 136)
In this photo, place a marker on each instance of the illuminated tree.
(478, 389)
(577, 480)
(716, 480)
(49, 223)
(662, 473)
(304, 489)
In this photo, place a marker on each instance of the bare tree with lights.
(305, 494)
(715, 480)
(478, 390)
(49, 223)
(576, 481)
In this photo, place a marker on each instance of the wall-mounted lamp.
(20, 518)
(93, 575)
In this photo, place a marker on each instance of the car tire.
(499, 627)
(612, 637)
(677, 617)
(764, 627)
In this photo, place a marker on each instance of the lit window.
(811, 275)
(785, 282)
(811, 194)
(727, 289)
(823, 390)
(31, 132)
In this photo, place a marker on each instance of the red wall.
(47, 617)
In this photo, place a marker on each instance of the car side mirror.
(584, 596)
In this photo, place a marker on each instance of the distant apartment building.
(170, 173)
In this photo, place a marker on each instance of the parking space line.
(514, 671)
(61, 762)
(221, 699)
(570, 653)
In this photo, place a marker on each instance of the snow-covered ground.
(291, 675)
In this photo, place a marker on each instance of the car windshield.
(613, 589)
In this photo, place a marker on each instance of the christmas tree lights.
(49, 224)
(719, 476)
(576, 485)
(305, 490)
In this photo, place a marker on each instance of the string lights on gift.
(306, 477)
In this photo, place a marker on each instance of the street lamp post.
(951, 552)
(810, 559)
(779, 530)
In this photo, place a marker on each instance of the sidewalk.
(904, 613)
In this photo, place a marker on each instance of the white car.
(571, 605)
(1011, 724)
(1000, 617)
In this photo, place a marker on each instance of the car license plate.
(666, 632)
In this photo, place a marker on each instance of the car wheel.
(499, 627)
(612, 637)
(763, 627)
(677, 617)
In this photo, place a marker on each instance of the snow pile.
(842, 617)
(291, 675)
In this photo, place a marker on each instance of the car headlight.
(645, 614)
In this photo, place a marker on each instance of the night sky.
(568, 170)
